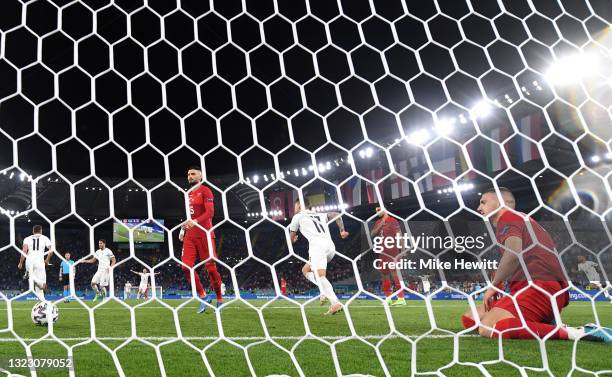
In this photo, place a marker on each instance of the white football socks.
(574, 333)
(311, 276)
(327, 290)
(38, 291)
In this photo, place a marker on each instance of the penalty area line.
(237, 338)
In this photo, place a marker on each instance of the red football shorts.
(388, 255)
(196, 246)
(533, 304)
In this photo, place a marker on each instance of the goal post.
(131, 292)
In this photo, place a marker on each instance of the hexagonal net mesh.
(387, 117)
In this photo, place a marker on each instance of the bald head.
(507, 196)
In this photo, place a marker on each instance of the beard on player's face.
(193, 179)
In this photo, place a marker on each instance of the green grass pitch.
(156, 324)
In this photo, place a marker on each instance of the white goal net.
(391, 119)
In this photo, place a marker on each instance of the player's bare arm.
(24, 249)
(90, 260)
(339, 222)
(113, 261)
(377, 228)
(49, 255)
(293, 236)
(508, 263)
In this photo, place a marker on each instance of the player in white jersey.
(143, 288)
(106, 261)
(588, 267)
(426, 283)
(321, 248)
(127, 290)
(34, 248)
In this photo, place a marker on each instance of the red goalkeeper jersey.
(202, 210)
(540, 256)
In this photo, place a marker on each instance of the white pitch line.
(238, 338)
(245, 307)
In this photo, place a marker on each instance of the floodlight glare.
(444, 126)
(572, 69)
(418, 137)
(481, 110)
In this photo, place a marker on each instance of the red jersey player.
(195, 239)
(387, 226)
(534, 305)
(283, 286)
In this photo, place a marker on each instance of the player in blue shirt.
(65, 275)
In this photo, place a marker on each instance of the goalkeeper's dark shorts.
(65, 279)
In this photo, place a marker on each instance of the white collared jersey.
(38, 244)
(144, 278)
(588, 267)
(104, 258)
(311, 224)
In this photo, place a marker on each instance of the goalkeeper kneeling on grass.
(535, 290)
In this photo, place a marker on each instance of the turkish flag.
(277, 205)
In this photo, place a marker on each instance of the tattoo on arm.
(340, 223)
